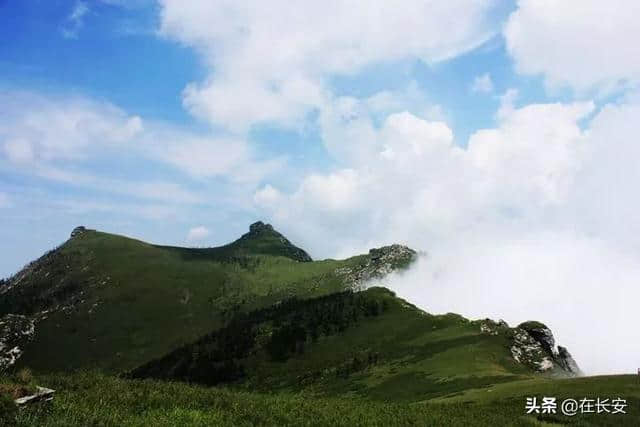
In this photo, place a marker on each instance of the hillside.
(108, 301)
(257, 314)
(367, 343)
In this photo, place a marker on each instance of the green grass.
(134, 301)
(95, 399)
(400, 354)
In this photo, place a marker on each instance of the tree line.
(275, 333)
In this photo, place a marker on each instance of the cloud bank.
(533, 219)
(584, 45)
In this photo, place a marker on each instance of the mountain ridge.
(96, 281)
(257, 313)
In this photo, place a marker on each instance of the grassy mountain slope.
(107, 301)
(94, 399)
(368, 343)
(254, 315)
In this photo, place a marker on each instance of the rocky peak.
(260, 227)
(263, 238)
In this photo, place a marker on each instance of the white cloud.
(62, 138)
(583, 288)
(482, 84)
(270, 60)
(37, 129)
(534, 219)
(267, 196)
(584, 45)
(75, 20)
(206, 157)
(348, 124)
(197, 234)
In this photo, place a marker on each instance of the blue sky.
(499, 136)
(116, 55)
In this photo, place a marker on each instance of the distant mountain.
(257, 313)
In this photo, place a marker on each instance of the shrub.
(24, 376)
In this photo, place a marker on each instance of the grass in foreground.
(94, 399)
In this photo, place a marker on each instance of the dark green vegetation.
(282, 339)
(94, 399)
(368, 343)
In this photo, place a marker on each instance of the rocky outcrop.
(15, 331)
(42, 394)
(377, 264)
(526, 350)
(566, 361)
(77, 231)
(533, 345)
(491, 327)
(541, 334)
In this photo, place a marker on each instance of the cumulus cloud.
(197, 234)
(38, 129)
(205, 156)
(526, 222)
(270, 60)
(584, 45)
(61, 138)
(482, 84)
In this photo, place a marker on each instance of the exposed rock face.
(15, 331)
(77, 231)
(567, 362)
(529, 352)
(379, 263)
(491, 327)
(541, 334)
(260, 227)
(533, 344)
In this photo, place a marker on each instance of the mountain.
(255, 332)
(255, 314)
(110, 302)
